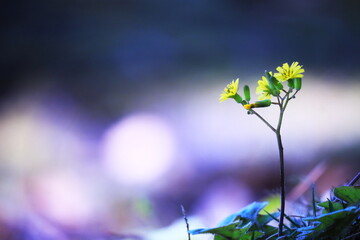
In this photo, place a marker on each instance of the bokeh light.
(63, 197)
(139, 149)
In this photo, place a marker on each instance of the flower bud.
(267, 75)
(274, 85)
(247, 92)
(297, 83)
(291, 83)
(263, 103)
(258, 104)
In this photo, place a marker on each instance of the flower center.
(287, 72)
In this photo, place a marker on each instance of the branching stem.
(262, 119)
(282, 165)
(282, 102)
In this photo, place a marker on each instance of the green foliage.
(338, 219)
(334, 225)
(351, 195)
(245, 224)
(330, 206)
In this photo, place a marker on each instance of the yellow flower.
(230, 91)
(263, 88)
(287, 72)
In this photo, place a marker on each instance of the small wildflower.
(263, 88)
(230, 91)
(287, 72)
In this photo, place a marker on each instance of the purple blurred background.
(110, 120)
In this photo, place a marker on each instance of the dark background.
(88, 48)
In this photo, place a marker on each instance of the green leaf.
(330, 206)
(265, 219)
(251, 235)
(217, 237)
(269, 230)
(250, 212)
(349, 194)
(330, 225)
(227, 231)
(230, 232)
(244, 224)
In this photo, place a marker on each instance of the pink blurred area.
(64, 173)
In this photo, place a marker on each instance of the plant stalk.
(282, 182)
(282, 167)
(262, 119)
(282, 175)
(282, 106)
(282, 102)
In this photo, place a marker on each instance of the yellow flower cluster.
(265, 89)
(285, 73)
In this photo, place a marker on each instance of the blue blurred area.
(145, 40)
(90, 48)
(109, 117)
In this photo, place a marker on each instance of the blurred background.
(110, 119)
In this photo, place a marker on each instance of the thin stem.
(313, 199)
(351, 236)
(354, 180)
(262, 119)
(186, 221)
(281, 156)
(293, 96)
(282, 180)
(282, 102)
(282, 106)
